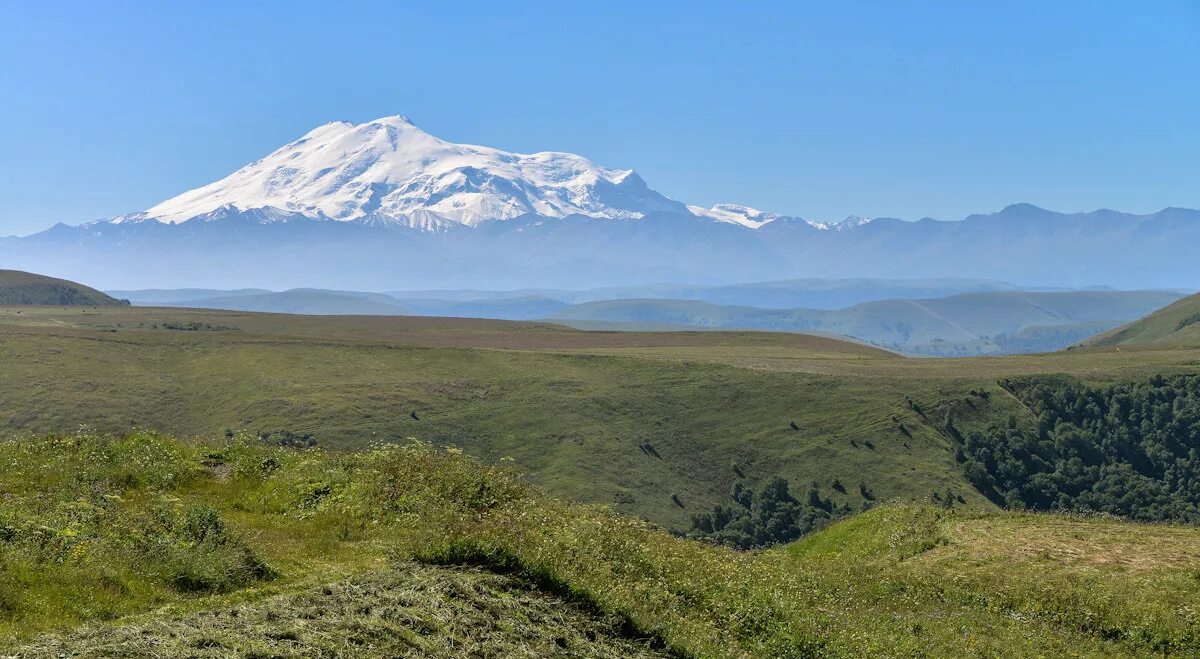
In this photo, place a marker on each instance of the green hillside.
(153, 547)
(659, 425)
(20, 288)
(1177, 324)
(544, 395)
(961, 325)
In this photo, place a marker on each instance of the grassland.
(408, 550)
(570, 407)
(221, 543)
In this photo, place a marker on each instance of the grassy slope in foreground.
(17, 287)
(95, 529)
(1175, 325)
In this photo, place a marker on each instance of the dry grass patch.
(408, 611)
(1090, 543)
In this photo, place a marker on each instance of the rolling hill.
(300, 301)
(17, 287)
(168, 296)
(984, 322)
(1177, 324)
(533, 307)
(806, 293)
(975, 323)
(791, 293)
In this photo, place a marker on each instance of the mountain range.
(385, 205)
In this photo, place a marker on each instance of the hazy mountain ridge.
(384, 205)
(236, 249)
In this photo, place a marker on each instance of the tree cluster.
(766, 517)
(1131, 449)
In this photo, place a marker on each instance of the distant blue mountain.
(1021, 244)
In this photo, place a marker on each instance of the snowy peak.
(735, 214)
(852, 222)
(391, 171)
(754, 219)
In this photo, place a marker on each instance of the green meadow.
(204, 483)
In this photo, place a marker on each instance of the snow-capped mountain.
(390, 171)
(384, 205)
(752, 218)
(852, 222)
(735, 214)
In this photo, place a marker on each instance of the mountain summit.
(390, 171)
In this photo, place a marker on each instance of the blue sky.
(816, 109)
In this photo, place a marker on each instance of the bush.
(192, 551)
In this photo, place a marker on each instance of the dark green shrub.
(766, 517)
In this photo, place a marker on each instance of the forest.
(1131, 450)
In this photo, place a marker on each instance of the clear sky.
(820, 110)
